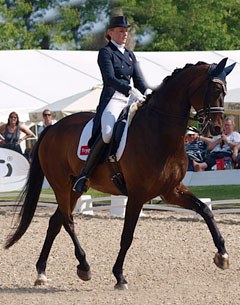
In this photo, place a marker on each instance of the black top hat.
(118, 21)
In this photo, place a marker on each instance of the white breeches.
(111, 114)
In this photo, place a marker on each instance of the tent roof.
(157, 65)
(30, 79)
(83, 101)
(34, 79)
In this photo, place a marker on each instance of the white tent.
(34, 79)
(31, 79)
(83, 101)
(157, 65)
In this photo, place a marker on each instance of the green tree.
(184, 25)
(53, 24)
(157, 25)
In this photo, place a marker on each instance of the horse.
(153, 164)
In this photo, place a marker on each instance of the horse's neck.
(171, 100)
(170, 110)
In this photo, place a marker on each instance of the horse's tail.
(29, 196)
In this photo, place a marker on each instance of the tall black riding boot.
(92, 161)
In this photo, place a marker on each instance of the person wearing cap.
(47, 120)
(118, 68)
(196, 148)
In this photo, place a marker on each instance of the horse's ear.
(229, 68)
(216, 70)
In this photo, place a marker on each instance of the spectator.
(11, 133)
(236, 156)
(221, 146)
(47, 120)
(196, 148)
(28, 154)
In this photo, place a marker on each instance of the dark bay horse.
(154, 163)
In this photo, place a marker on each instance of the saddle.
(119, 137)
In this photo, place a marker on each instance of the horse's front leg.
(131, 218)
(184, 198)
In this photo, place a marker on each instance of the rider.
(118, 66)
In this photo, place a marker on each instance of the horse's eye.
(216, 91)
(218, 88)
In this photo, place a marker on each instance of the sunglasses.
(13, 117)
(47, 114)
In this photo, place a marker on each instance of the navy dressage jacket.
(117, 71)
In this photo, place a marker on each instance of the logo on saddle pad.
(84, 150)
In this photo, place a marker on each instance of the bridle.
(203, 115)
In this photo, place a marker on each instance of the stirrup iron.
(80, 185)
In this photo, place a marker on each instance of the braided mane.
(178, 70)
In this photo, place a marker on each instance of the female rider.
(118, 68)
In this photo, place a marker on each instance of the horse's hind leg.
(221, 257)
(54, 227)
(184, 198)
(55, 224)
(83, 269)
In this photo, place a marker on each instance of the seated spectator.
(196, 148)
(221, 146)
(236, 156)
(47, 120)
(11, 133)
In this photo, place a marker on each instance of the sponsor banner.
(13, 170)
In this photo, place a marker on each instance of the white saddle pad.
(83, 148)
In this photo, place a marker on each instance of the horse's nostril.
(218, 129)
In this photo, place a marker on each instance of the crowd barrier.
(217, 177)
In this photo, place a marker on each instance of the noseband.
(203, 115)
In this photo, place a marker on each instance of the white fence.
(85, 205)
(115, 205)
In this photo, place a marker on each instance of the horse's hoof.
(41, 280)
(84, 275)
(120, 286)
(221, 261)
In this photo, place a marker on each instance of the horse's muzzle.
(215, 130)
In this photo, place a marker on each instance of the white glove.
(137, 95)
(148, 91)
